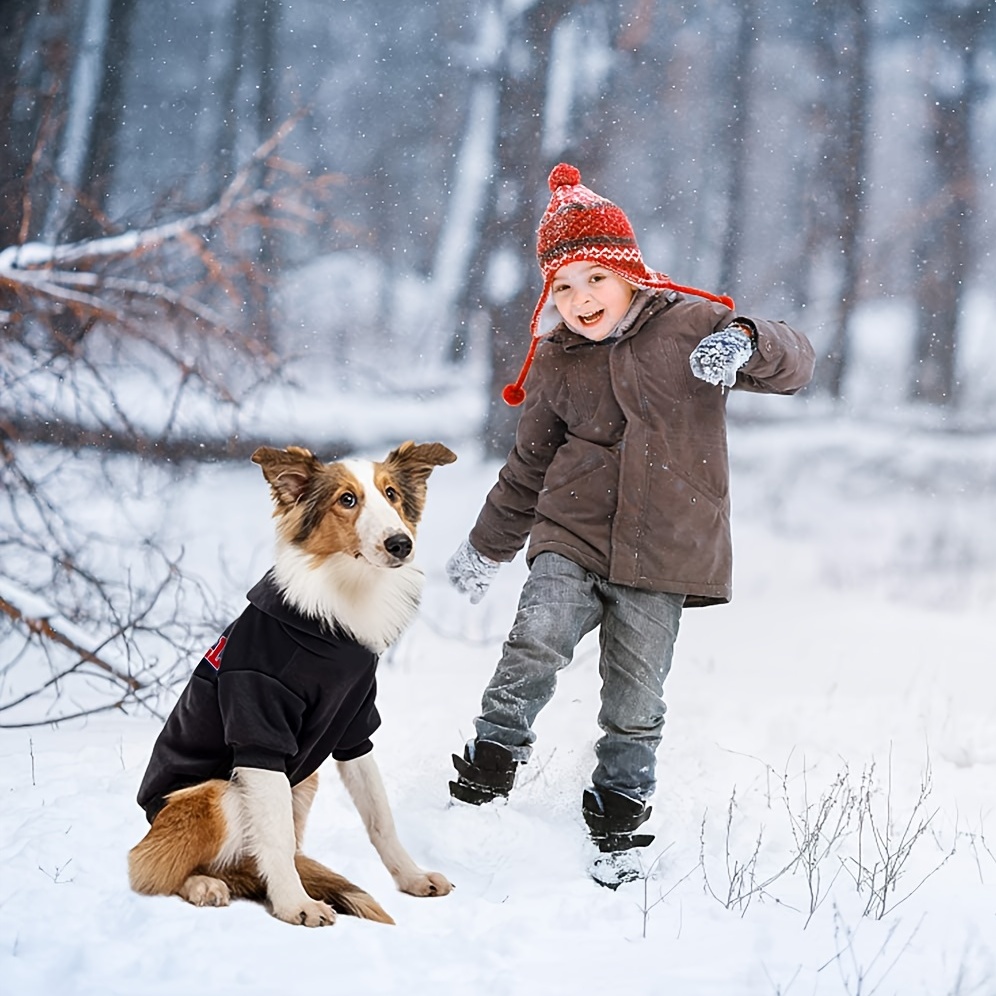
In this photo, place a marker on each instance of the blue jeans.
(560, 603)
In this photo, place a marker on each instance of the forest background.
(202, 204)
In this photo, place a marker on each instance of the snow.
(857, 652)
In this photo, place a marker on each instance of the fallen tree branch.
(42, 627)
(140, 342)
(93, 279)
(69, 435)
(36, 255)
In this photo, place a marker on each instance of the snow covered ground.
(850, 685)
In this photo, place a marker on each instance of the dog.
(291, 682)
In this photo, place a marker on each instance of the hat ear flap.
(514, 394)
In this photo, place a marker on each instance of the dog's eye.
(390, 494)
(347, 500)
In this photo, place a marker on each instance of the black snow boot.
(484, 773)
(612, 819)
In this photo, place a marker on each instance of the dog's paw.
(202, 890)
(426, 884)
(307, 913)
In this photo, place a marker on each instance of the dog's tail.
(344, 897)
(245, 882)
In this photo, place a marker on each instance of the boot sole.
(622, 842)
(473, 795)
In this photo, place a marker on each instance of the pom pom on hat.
(578, 224)
(564, 175)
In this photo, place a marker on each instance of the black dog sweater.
(277, 691)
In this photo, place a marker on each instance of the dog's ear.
(288, 471)
(419, 459)
(411, 464)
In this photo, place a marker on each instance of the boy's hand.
(718, 357)
(470, 572)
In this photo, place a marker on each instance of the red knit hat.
(580, 225)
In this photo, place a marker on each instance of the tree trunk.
(853, 165)
(86, 218)
(457, 243)
(508, 238)
(226, 161)
(945, 258)
(82, 98)
(734, 147)
(214, 137)
(17, 126)
(43, 65)
(262, 30)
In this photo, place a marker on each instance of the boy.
(619, 479)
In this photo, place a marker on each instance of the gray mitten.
(470, 572)
(718, 357)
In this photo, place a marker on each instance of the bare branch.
(42, 627)
(140, 342)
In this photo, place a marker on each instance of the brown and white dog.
(344, 560)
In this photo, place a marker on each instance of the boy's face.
(591, 299)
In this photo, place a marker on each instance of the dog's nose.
(399, 545)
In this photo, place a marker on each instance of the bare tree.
(105, 344)
(945, 251)
(36, 63)
(843, 55)
(737, 73)
(829, 207)
(248, 112)
(502, 295)
(90, 105)
(105, 139)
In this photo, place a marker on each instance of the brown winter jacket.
(620, 460)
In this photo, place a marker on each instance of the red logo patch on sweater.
(213, 656)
